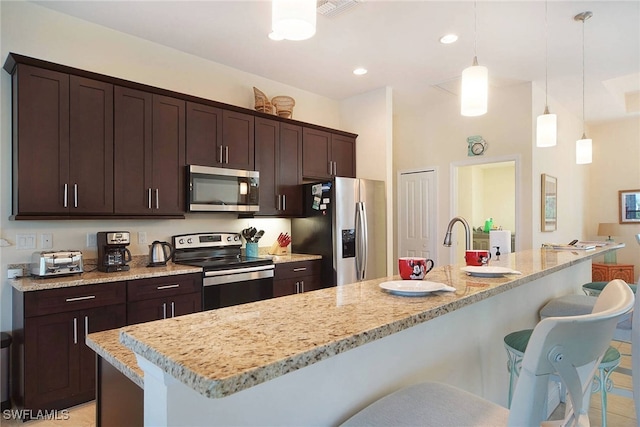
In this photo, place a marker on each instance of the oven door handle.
(222, 277)
(238, 270)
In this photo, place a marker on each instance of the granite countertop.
(107, 345)
(138, 270)
(260, 341)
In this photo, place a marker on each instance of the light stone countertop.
(138, 270)
(257, 342)
(107, 345)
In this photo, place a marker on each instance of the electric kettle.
(159, 253)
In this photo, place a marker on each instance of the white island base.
(463, 347)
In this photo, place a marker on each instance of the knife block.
(276, 249)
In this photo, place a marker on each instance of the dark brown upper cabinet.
(219, 138)
(63, 144)
(279, 161)
(149, 153)
(327, 154)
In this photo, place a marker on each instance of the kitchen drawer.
(287, 270)
(38, 303)
(159, 287)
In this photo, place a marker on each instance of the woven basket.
(262, 101)
(284, 106)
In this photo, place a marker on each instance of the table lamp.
(609, 229)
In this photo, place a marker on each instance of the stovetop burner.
(213, 251)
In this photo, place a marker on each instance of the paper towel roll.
(501, 239)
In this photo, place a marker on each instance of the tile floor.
(620, 413)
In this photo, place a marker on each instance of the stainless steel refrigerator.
(345, 222)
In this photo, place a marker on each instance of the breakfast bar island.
(317, 358)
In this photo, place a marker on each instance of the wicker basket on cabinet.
(262, 101)
(284, 106)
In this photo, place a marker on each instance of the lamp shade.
(546, 129)
(608, 229)
(293, 19)
(474, 89)
(583, 151)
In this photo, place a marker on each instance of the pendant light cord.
(583, 132)
(546, 60)
(475, 32)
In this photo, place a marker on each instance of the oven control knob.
(189, 240)
(181, 241)
(228, 238)
(236, 238)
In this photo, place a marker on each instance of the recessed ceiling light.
(360, 71)
(448, 39)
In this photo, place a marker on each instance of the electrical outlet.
(25, 241)
(46, 241)
(92, 240)
(142, 237)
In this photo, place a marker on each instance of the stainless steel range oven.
(228, 277)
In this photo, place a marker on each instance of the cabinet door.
(289, 170)
(132, 151)
(267, 136)
(285, 287)
(238, 140)
(343, 153)
(204, 135)
(51, 348)
(163, 308)
(41, 122)
(167, 155)
(316, 146)
(311, 283)
(96, 320)
(91, 147)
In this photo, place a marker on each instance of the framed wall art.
(549, 203)
(629, 206)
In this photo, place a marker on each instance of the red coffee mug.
(412, 268)
(477, 257)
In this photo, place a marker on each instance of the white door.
(417, 214)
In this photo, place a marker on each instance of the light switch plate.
(25, 241)
(46, 241)
(92, 240)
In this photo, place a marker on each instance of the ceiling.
(398, 42)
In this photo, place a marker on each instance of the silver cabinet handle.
(173, 309)
(226, 154)
(75, 195)
(330, 167)
(164, 310)
(297, 287)
(80, 298)
(86, 326)
(220, 157)
(75, 330)
(302, 285)
(157, 198)
(278, 202)
(300, 269)
(149, 197)
(175, 285)
(66, 189)
(284, 202)
(335, 168)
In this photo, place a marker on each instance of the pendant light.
(475, 81)
(584, 144)
(546, 124)
(293, 19)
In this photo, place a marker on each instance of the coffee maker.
(113, 254)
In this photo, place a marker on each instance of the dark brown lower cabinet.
(163, 308)
(119, 401)
(53, 368)
(297, 277)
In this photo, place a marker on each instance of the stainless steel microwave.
(222, 190)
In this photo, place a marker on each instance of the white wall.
(616, 166)
(436, 135)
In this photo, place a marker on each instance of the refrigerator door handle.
(361, 243)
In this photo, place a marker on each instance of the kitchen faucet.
(467, 231)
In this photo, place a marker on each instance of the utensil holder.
(251, 250)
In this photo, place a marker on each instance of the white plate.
(414, 288)
(488, 271)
